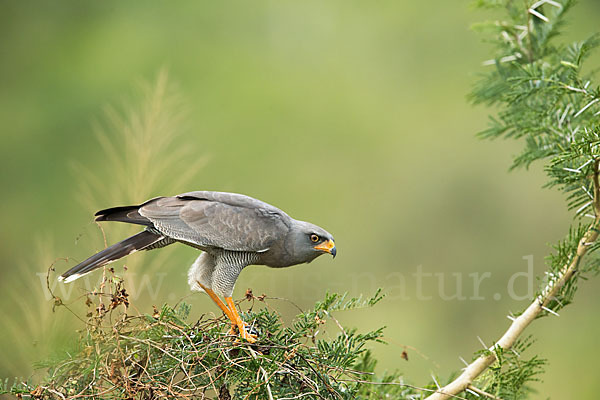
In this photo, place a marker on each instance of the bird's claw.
(248, 333)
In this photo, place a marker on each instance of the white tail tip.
(68, 278)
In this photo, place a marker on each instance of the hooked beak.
(327, 247)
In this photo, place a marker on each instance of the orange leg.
(239, 322)
(231, 313)
(218, 301)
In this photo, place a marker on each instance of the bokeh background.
(351, 115)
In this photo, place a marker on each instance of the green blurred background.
(349, 114)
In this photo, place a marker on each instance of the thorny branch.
(539, 305)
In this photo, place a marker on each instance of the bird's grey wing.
(218, 222)
(232, 199)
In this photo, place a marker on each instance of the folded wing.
(218, 220)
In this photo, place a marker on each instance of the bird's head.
(310, 241)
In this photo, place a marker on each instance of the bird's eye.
(314, 238)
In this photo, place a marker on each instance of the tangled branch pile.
(125, 356)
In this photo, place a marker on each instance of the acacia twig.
(477, 367)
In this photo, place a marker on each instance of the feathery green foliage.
(509, 377)
(544, 97)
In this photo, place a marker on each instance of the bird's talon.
(247, 337)
(251, 330)
(249, 333)
(250, 338)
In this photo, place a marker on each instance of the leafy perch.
(124, 356)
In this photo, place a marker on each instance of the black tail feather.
(112, 253)
(127, 214)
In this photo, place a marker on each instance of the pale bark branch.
(477, 367)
